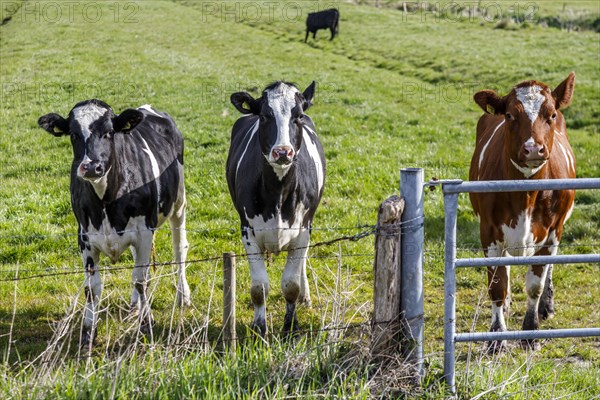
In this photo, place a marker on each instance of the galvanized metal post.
(411, 303)
(450, 210)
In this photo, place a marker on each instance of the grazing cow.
(523, 136)
(326, 19)
(126, 180)
(276, 173)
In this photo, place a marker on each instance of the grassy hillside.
(393, 91)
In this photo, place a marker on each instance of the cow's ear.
(54, 124)
(308, 95)
(127, 120)
(563, 94)
(490, 102)
(240, 99)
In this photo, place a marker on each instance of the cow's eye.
(552, 117)
(264, 118)
(509, 116)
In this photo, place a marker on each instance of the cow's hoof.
(531, 345)
(260, 327)
(134, 311)
(496, 346)
(546, 311)
(545, 315)
(289, 334)
(146, 328)
(183, 300)
(87, 340)
(305, 301)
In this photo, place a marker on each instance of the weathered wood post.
(229, 282)
(386, 304)
(412, 302)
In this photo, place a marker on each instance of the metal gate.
(451, 189)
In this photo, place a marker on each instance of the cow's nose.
(282, 154)
(91, 169)
(99, 169)
(534, 150)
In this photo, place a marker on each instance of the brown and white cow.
(522, 136)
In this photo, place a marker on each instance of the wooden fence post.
(387, 284)
(229, 282)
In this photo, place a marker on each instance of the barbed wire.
(188, 230)
(370, 231)
(390, 230)
(116, 268)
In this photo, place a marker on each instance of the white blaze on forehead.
(530, 142)
(531, 98)
(85, 115)
(282, 99)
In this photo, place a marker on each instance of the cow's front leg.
(534, 286)
(140, 275)
(498, 289)
(546, 306)
(93, 290)
(304, 296)
(180, 248)
(293, 280)
(259, 286)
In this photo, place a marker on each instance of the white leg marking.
(259, 289)
(294, 274)
(180, 249)
(93, 285)
(135, 296)
(140, 273)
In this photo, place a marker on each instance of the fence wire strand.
(367, 230)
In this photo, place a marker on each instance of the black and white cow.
(276, 173)
(326, 19)
(126, 180)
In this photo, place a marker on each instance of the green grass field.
(393, 91)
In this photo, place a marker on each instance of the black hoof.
(546, 310)
(290, 322)
(260, 327)
(496, 346)
(146, 326)
(531, 344)
(88, 338)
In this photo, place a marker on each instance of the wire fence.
(19, 274)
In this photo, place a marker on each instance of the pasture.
(393, 91)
